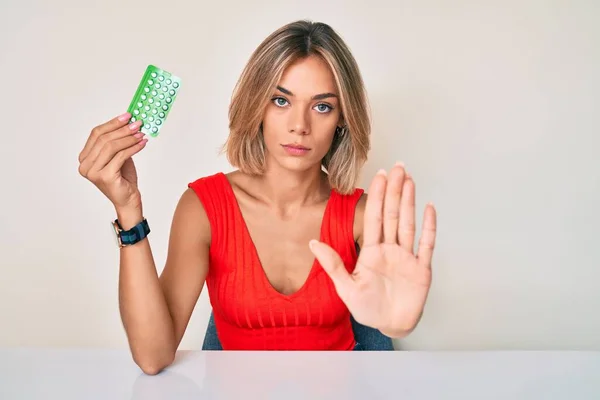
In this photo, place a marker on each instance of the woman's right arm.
(156, 310)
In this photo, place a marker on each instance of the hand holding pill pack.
(154, 99)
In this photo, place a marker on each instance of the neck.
(287, 191)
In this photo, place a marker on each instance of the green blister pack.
(154, 99)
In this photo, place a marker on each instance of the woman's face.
(301, 118)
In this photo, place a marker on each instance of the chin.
(296, 164)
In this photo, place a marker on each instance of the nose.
(298, 122)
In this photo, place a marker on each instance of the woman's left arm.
(388, 288)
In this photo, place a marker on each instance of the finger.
(119, 159)
(110, 149)
(333, 265)
(428, 236)
(373, 220)
(126, 131)
(391, 204)
(102, 129)
(406, 230)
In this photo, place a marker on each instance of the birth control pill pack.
(154, 99)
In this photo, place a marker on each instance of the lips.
(295, 150)
(296, 146)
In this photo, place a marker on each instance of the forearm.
(144, 311)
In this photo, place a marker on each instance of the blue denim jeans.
(367, 338)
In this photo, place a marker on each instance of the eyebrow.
(320, 96)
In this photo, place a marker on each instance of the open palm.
(389, 285)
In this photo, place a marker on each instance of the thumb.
(332, 264)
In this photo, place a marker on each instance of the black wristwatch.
(131, 236)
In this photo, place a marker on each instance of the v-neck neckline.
(256, 258)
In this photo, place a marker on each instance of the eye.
(323, 108)
(279, 101)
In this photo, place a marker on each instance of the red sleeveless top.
(249, 313)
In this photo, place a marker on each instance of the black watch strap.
(133, 235)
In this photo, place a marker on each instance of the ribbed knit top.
(249, 313)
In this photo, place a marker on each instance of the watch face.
(117, 236)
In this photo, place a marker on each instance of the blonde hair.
(245, 146)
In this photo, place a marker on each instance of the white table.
(111, 375)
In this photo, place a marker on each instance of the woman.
(274, 240)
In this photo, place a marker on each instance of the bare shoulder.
(190, 236)
(359, 215)
(239, 181)
(244, 186)
(190, 217)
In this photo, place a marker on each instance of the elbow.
(151, 369)
(154, 365)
